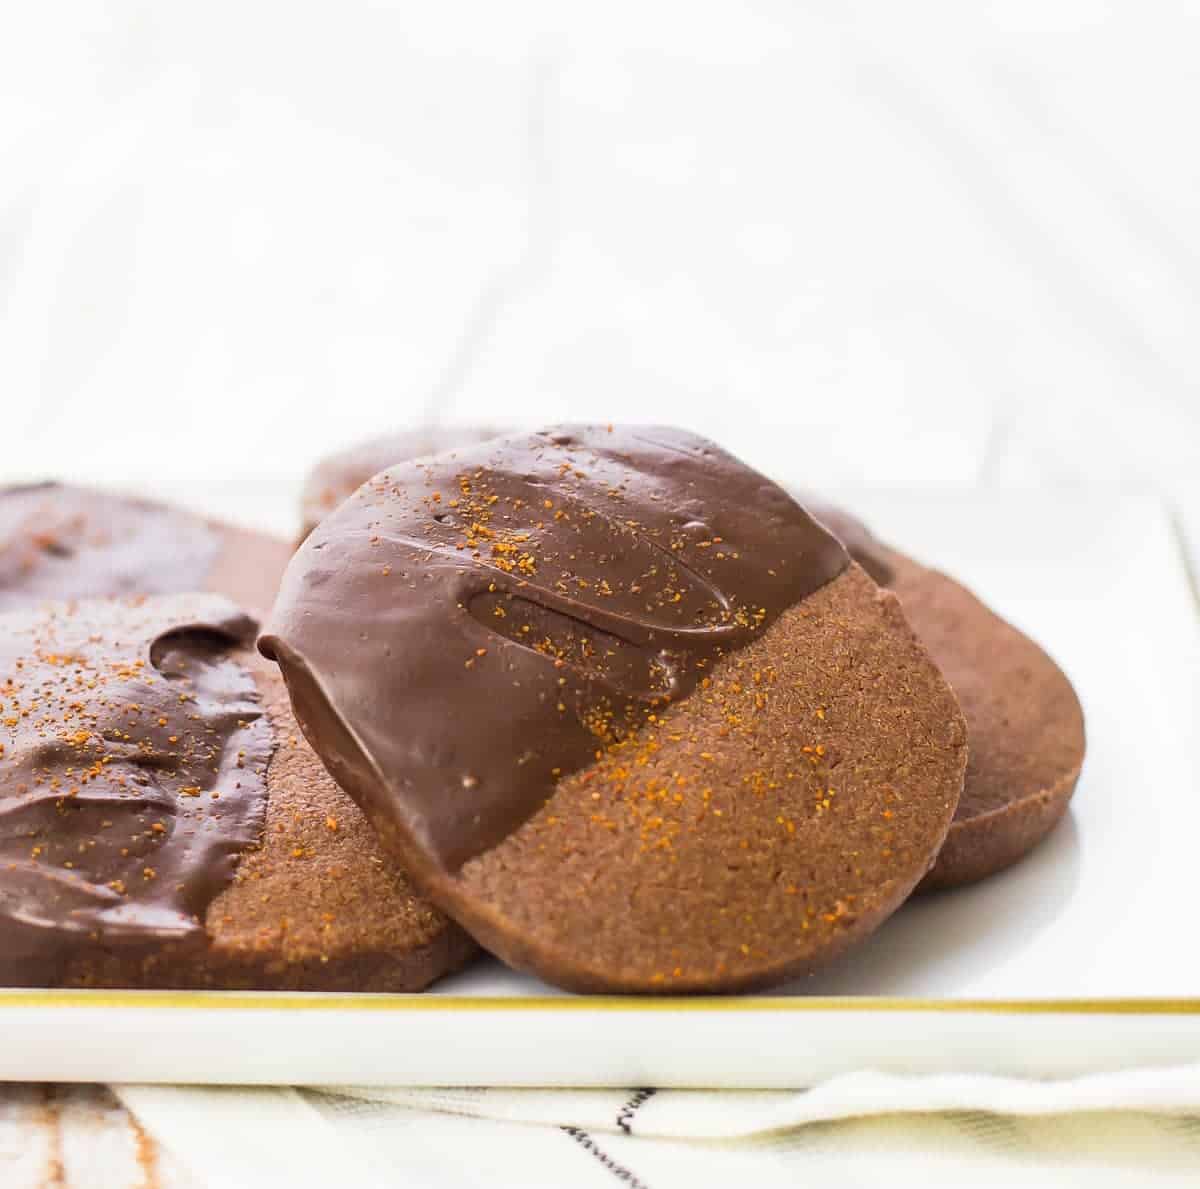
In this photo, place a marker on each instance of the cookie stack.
(603, 700)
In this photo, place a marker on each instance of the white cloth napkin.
(1104, 1130)
(860, 1129)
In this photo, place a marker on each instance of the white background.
(858, 243)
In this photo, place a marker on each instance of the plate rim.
(421, 1002)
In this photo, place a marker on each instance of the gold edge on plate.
(319, 1001)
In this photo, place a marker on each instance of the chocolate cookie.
(621, 707)
(1024, 723)
(163, 825)
(58, 541)
(340, 475)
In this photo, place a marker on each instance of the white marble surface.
(869, 242)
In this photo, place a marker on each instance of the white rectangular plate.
(1082, 957)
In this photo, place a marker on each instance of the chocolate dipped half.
(1025, 727)
(163, 825)
(61, 541)
(622, 708)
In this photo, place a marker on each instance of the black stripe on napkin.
(619, 1171)
(631, 1108)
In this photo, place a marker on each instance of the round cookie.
(622, 708)
(59, 541)
(1025, 729)
(340, 475)
(162, 824)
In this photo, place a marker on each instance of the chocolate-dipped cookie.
(59, 541)
(621, 707)
(1025, 728)
(340, 475)
(162, 824)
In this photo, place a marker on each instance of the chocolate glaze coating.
(339, 476)
(579, 578)
(132, 752)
